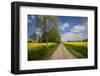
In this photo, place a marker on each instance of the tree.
(53, 36)
(49, 28)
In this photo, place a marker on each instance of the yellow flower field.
(40, 51)
(80, 44)
(78, 49)
(39, 45)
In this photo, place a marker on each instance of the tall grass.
(78, 49)
(39, 51)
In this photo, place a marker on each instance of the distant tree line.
(78, 40)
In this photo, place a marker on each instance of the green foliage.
(79, 52)
(53, 35)
(49, 28)
(41, 53)
(36, 54)
(82, 50)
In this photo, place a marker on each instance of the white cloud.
(79, 28)
(73, 36)
(32, 17)
(38, 31)
(62, 27)
(29, 21)
(78, 32)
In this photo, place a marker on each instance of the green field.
(41, 51)
(57, 37)
(78, 49)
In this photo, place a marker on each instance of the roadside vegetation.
(40, 51)
(78, 49)
(45, 38)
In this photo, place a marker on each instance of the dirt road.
(62, 53)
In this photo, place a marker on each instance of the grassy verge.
(77, 51)
(50, 52)
(40, 52)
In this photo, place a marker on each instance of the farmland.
(44, 51)
(57, 37)
(40, 51)
(78, 49)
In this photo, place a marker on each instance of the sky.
(70, 27)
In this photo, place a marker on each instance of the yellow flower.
(80, 44)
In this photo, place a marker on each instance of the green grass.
(50, 52)
(79, 52)
(41, 53)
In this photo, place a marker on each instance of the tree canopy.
(47, 26)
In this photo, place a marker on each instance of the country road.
(62, 53)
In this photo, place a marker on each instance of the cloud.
(79, 28)
(38, 31)
(29, 21)
(63, 26)
(73, 36)
(32, 17)
(78, 32)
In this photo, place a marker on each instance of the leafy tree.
(48, 26)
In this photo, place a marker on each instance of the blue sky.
(70, 27)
